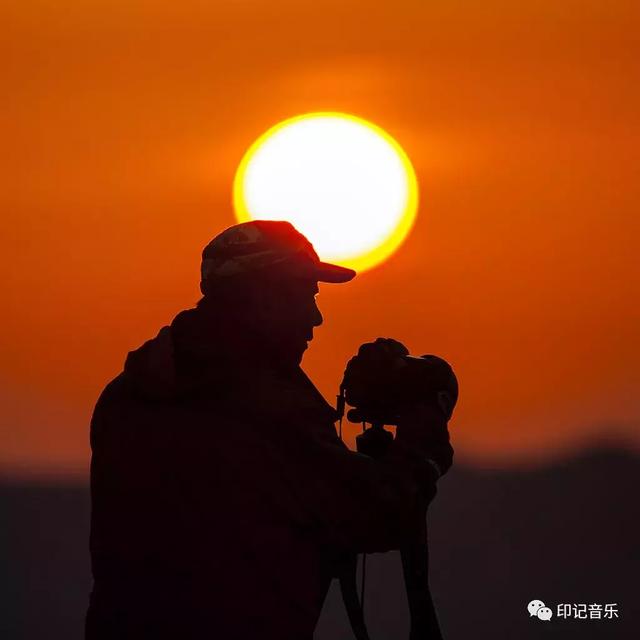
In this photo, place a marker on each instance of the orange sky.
(123, 124)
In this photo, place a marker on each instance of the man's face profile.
(287, 314)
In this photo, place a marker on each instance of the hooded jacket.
(223, 499)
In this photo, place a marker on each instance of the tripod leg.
(352, 603)
(415, 565)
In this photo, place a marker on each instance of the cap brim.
(327, 272)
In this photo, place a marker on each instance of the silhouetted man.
(222, 497)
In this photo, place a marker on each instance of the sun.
(342, 181)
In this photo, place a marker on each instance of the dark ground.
(567, 533)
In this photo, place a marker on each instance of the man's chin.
(296, 355)
(296, 358)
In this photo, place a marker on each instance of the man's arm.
(356, 503)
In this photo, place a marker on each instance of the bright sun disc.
(342, 181)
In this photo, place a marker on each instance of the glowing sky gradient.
(123, 124)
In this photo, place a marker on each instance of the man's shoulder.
(148, 371)
(115, 392)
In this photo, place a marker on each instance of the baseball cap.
(254, 245)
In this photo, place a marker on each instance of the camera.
(383, 378)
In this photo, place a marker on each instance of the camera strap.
(353, 604)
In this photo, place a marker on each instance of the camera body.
(383, 378)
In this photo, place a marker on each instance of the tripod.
(374, 442)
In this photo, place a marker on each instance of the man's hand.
(422, 429)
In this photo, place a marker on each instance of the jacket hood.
(202, 354)
(151, 369)
(190, 353)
